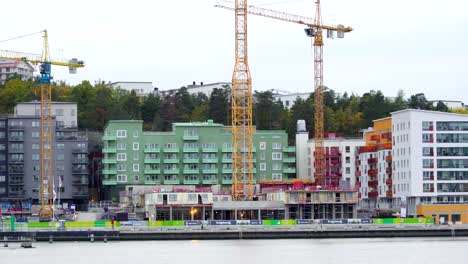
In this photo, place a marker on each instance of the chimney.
(193, 83)
(201, 83)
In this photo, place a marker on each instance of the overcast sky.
(414, 45)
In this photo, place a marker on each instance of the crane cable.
(27, 35)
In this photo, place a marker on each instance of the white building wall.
(289, 99)
(305, 156)
(140, 88)
(65, 112)
(8, 68)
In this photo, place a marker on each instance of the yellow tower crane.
(44, 61)
(241, 101)
(314, 29)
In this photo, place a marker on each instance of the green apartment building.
(196, 153)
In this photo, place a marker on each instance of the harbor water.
(378, 250)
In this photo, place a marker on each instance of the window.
(121, 156)
(227, 145)
(190, 133)
(348, 170)
(276, 166)
(190, 145)
(135, 133)
(276, 145)
(151, 146)
(263, 166)
(60, 146)
(209, 145)
(60, 123)
(348, 149)
(2, 157)
(136, 167)
(121, 167)
(136, 155)
(121, 146)
(2, 134)
(121, 178)
(262, 155)
(37, 167)
(73, 123)
(60, 156)
(136, 146)
(2, 146)
(72, 112)
(348, 160)
(276, 155)
(60, 167)
(2, 178)
(428, 163)
(276, 176)
(35, 134)
(59, 112)
(35, 177)
(428, 138)
(428, 152)
(170, 145)
(262, 145)
(451, 126)
(35, 156)
(121, 133)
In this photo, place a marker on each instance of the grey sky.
(414, 45)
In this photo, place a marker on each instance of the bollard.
(5, 238)
(51, 239)
(105, 238)
(92, 237)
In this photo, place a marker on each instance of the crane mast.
(315, 29)
(318, 99)
(241, 100)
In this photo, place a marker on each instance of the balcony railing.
(171, 171)
(191, 150)
(15, 160)
(170, 160)
(289, 170)
(82, 161)
(197, 181)
(152, 171)
(191, 160)
(191, 137)
(16, 182)
(109, 182)
(372, 172)
(389, 181)
(16, 138)
(389, 193)
(289, 159)
(172, 182)
(210, 150)
(210, 171)
(82, 171)
(152, 161)
(210, 181)
(171, 150)
(389, 170)
(152, 150)
(372, 160)
(372, 194)
(289, 149)
(226, 181)
(358, 173)
(333, 175)
(109, 161)
(389, 158)
(226, 160)
(191, 171)
(211, 160)
(109, 137)
(109, 150)
(373, 183)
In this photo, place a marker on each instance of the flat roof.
(429, 112)
(38, 102)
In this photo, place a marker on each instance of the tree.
(219, 105)
(133, 106)
(419, 101)
(149, 109)
(13, 92)
(441, 107)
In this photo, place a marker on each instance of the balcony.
(80, 182)
(151, 150)
(109, 171)
(226, 160)
(389, 158)
(15, 161)
(226, 181)
(210, 171)
(171, 150)
(110, 138)
(109, 182)
(152, 161)
(226, 150)
(81, 150)
(17, 193)
(372, 160)
(190, 150)
(80, 161)
(289, 149)
(289, 159)
(109, 161)
(171, 161)
(171, 171)
(358, 162)
(358, 184)
(16, 171)
(152, 171)
(358, 173)
(227, 171)
(151, 181)
(16, 138)
(15, 150)
(109, 150)
(215, 160)
(210, 150)
(193, 182)
(191, 160)
(191, 171)
(333, 164)
(389, 181)
(372, 172)
(373, 194)
(80, 194)
(332, 154)
(15, 127)
(172, 182)
(289, 170)
(389, 193)
(211, 181)
(190, 137)
(83, 171)
(335, 175)
(373, 183)
(16, 182)
(389, 170)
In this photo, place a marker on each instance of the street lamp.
(193, 212)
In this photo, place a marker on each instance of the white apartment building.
(289, 99)
(451, 104)
(340, 157)
(140, 88)
(65, 112)
(8, 69)
(426, 171)
(203, 88)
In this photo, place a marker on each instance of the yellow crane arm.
(37, 59)
(258, 11)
